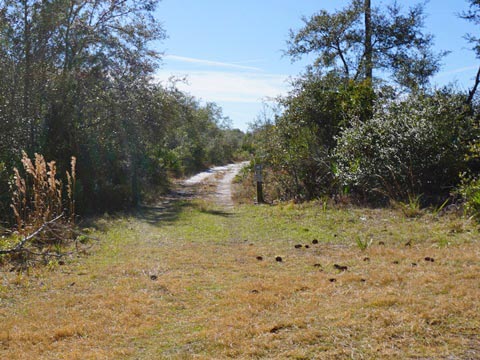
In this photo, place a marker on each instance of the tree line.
(363, 121)
(77, 79)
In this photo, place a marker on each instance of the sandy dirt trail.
(221, 177)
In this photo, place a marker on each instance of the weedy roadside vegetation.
(363, 244)
(44, 212)
(411, 208)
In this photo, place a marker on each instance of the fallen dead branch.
(52, 240)
(20, 246)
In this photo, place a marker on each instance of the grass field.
(190, 281)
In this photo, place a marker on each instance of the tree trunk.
(472, 92)
(27, 77)
(135, 186)
(368, 41)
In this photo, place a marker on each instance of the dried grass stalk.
(37, 200)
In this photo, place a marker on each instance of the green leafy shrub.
(469, 190)
(416, 146)
(298, 145)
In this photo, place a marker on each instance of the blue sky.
(231, 50)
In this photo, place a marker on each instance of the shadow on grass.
(215, 212)
(169, 210)
(165, 213)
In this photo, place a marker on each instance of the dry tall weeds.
(38, 203)
(71, 183)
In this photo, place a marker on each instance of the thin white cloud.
(457, 71)
(238, 87)
(234, 65)
(252, 61)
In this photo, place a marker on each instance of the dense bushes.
(469, 190)
(299, 144)
(129, 142)
(77, 80)
(330, 142)
(414, 146)
(363, 120)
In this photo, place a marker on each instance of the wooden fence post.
(259, 180)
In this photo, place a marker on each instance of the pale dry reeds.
(42, 216)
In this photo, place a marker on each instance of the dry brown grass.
(38, 197)
(186, 283)
(43, 222)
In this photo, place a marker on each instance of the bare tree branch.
(472, 92)
(20, 246)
